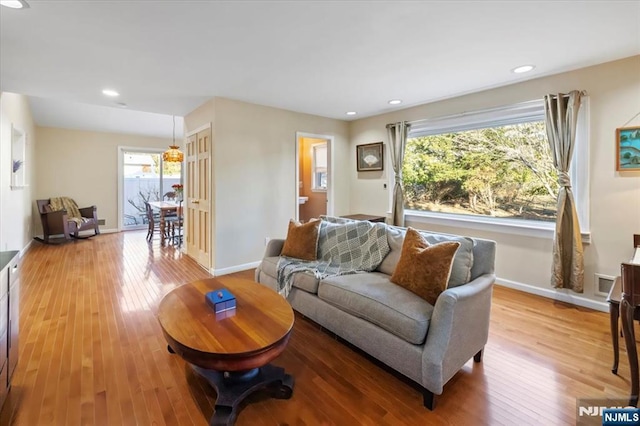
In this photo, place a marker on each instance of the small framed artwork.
(628, 149)
(369, 157)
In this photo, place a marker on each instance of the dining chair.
(152, 220)
(175, 224)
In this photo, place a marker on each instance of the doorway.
(143, 176)
(198, 198)
(314, 182)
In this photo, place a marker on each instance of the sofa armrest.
(274, 247)
(459, 329)
(55, 215)
(55, 222)
(89, 212)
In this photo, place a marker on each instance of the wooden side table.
(628, 306)
(370, 218)
(614, 298)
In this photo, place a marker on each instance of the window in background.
(493, 164)
(319, 167)
(502, 171)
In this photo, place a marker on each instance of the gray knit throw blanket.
(343, 248)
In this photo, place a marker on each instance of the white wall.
(614, 91)
(254, 168)
(84, 166)
(15, 210)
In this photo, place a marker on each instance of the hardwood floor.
(92, 352)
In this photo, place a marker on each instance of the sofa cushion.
(424, 268)
(302, 240)
(303, 280)
(462, 261)
(372, 297)
(306, 281)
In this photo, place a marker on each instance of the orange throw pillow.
(424, 269)
(302, 240)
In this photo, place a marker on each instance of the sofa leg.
(478, 357)
(429, 399)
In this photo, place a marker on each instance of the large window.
(502, 171)
(493, 164)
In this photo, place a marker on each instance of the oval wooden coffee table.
(232, 349)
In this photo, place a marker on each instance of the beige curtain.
(397, 141)
(561, 112)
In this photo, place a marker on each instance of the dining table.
(164, 207)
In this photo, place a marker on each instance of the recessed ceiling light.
(395, 101)
(111, 93)
(14, 4)
(351, 113)
(523, 68)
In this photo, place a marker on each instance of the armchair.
(61, 216)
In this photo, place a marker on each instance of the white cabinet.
(9, 303)
(12, 331)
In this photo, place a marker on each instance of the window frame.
(494, 117)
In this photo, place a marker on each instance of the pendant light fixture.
(173, 154)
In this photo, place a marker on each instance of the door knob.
(195, 201)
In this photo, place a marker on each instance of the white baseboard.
(232, 269)
(109, 231)
(562, 295)
(25, 248)
(88, 232)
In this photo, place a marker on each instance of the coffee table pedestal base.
(234, 387)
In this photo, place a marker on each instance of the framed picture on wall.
(628, 149)
(369, 157)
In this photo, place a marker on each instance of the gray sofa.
(425, 343)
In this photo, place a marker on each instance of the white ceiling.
(317, 57)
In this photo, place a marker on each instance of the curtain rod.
(482, 111)
(566, 95)
(479, 111)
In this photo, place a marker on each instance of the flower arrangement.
(16, 165)
(177, 187)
